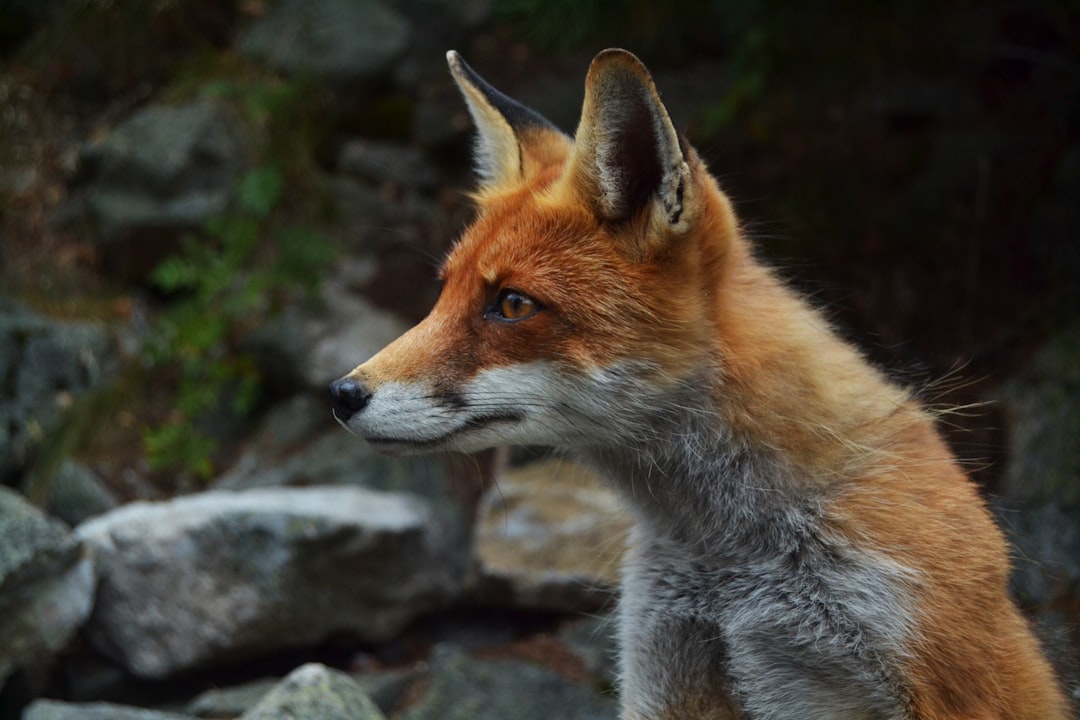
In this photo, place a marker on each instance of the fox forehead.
(522, 243)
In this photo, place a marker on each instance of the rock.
(550, 537)
(315, 692)
(221, 576)
(463, 689)
(595, 641)
(1039, 503)
(53, 710)
(436, 26)
(387, 164)
(343, 42)
(76, 494)
(44, 366)
(299, 444)
(385, 689)
(309, 345)
(230, 702)
(46, 588)
(163, 171)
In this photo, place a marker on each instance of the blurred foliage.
(234, 274)
(750, 30)
(98, 48)
(654, 26)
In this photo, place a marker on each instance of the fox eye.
(513, 305)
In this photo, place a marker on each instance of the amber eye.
(512, 305)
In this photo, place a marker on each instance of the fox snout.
(348, 397)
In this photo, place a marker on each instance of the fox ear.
(626, 151)
(512, 141)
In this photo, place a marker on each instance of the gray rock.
(299, 444)
(46, 588)
(230, 702)
(385, 689)
(339, 41)
(221, 576)
(44, 366)
(315, 692)
(384, 163)
(312, 344)
(550, 537)
(166, 167)
(373, 215)
(76, 494)
(464, 689)
(53, 710)
(1039, 502)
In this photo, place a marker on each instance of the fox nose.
(348, 397)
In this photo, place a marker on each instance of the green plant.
(230, 277)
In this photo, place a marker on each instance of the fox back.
(805, 545)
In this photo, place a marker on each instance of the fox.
(804, 544)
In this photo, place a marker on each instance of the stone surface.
(46, 588)
(595, 641)
(311, 344)
(327, 455)
(337, 41)
(44, 366)
(229, 702)
(164, 167)
(315, 692)
(53, 710)
(221, 576)
(550, 537)
(1039, 501)
(460, 688)
(384, 163)
(384, 688)
(76, 494)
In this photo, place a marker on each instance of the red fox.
(805, 545)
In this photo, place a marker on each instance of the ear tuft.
(505, 128)
(626, 152)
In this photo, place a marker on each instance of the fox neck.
(688, 476)
(778, 414)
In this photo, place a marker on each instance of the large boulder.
(165, 170)
(44, 366)
(550, 537)
(46, 588)
(343, 42)
(222, 576)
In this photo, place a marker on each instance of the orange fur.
(674, 283)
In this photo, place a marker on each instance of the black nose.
(348, 397)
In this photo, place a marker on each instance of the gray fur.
(733, 582)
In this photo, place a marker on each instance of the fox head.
(584, 291)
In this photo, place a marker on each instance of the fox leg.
(671, 664)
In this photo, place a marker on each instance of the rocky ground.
(305, 577)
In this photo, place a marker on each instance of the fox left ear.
(626, 152)
(512, 141)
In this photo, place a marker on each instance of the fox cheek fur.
(805, 545)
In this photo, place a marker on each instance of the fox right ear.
(512, 141)
(627, 156)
